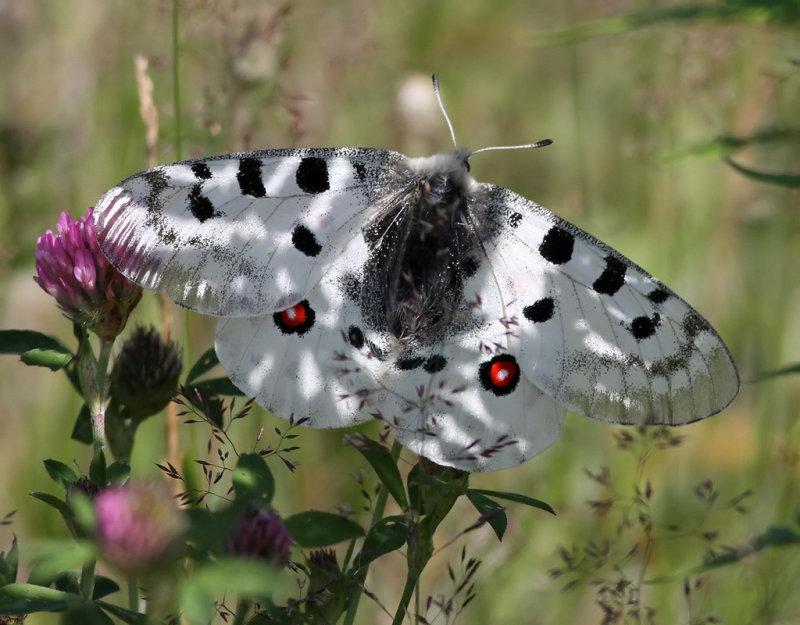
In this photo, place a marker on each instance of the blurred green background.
(633, 113)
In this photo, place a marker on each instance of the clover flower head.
(138, 526)
(260, 534)
(71, 267)
(145, 374)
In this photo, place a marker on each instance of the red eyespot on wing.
(500, 375)
(297, 319)
(294, 316)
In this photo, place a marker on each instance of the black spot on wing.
(201, 171)
(557, 246)
(645, 327)
(249, 177)
(540, 311)
(612, 278)
(361, 171)
(658, 296)
(514, 219)
(355, 336)
(157, 180)
(305, 241)
(435, 363)
(200, 206)
(312, 175)
(409, 363)
(432, 364)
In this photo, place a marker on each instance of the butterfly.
(354, 284)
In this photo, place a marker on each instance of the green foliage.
(490, 510)
(321, 529)
(63, 475)
(23, 341)
(783, 180)
(386, 535)
(252, 479)
(786, 12)
(245, 579)
(27, 598)
(35, 348)
(9, 562)
(209, 386)
(385, 467)
(207, 361)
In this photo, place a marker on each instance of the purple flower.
(138, 526)
(71, 268)
(261, 534)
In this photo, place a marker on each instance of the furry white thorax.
(451, 164)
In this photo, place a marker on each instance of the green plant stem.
(383, 495)
(133, 594)
(242, 610)
(87, 580)
(102, 389)
(176, 89)
(93, 374)
(102, 366)
(415, 568)
(176, 98)
(408, 592)
(98, 427)
(380, 506)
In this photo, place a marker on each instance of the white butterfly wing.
(304, 366)
(334, 372)
(463, 415)
(599, 334)
(451, 419)
(241, 234)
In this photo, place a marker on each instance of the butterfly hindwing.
(244, 233)
(312, 360)
(601, 335)
(324, 364)
(463, 401)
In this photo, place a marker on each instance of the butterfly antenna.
(538, 144)
(441, 106)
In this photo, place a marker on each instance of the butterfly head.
(444, 176)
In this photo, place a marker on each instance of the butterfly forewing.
(241, 234)
(599, 334)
